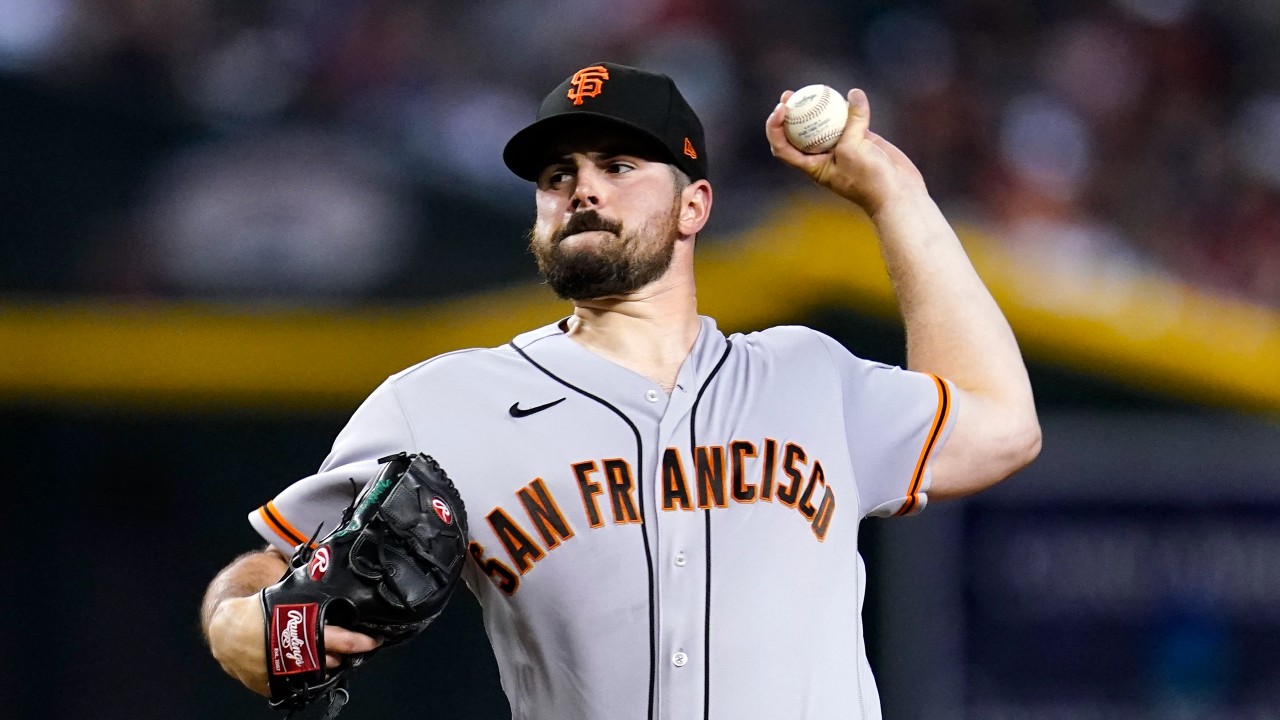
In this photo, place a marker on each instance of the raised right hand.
(862, 167)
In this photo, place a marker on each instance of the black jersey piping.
(706, 517)
(644, 523)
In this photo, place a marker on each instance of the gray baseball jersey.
(640, 555)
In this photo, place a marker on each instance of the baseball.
(815, 118)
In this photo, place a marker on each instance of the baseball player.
(664, 519)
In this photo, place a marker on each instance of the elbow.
(974, 466)
(1024, 446)
(1035, 440)
(989, 444)
(1016, 447)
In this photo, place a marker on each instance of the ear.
(695, 208)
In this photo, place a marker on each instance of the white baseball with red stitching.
(815, 118)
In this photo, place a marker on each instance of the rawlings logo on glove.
(290, 643)
(319, 562)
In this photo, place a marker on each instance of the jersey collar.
(552, 349)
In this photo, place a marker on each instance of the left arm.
(954, 327)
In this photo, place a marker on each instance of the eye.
(555, 177)
(617, 167)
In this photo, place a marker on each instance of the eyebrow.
(607, 152)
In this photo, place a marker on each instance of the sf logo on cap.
(587, 82)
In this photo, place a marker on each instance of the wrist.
(904, 204)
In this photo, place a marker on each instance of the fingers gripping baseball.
(859, 122)
(862, 167)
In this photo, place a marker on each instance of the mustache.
(587, 221)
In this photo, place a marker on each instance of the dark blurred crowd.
(315, 150)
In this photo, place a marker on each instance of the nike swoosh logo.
(517, 411)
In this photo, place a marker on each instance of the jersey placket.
(680, 562)
(649, 410)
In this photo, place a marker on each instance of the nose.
(586, 190)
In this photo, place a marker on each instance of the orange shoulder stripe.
(274, 520)
(935, 431)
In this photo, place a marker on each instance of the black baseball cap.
(644, 102)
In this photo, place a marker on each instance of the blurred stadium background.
(224, 222)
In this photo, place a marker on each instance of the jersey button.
(680, 561)
(679, 659)
(651, 395)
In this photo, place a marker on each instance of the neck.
(650, 331)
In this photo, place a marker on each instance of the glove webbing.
(323, 702)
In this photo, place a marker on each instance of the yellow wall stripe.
(1145, 330)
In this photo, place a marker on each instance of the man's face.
(607, 222)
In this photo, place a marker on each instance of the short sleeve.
(376, 429)
(895, 420)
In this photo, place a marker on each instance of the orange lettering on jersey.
(721, 473)
(822, 517)
(708, 463)
(506, 579)
(739, 451)
(523, 551)
(688, 149)
(590, 489)
(817, 477)
(770, 466)
(617, 475)
(675, 491)
(587, 82)
(544, 513)
(790, 493)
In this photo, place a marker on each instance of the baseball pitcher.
(662, 518)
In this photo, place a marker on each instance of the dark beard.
(619, 267)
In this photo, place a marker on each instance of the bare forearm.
(245, 576)
(956, 330)
(954, 327)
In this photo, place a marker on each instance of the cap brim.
(529, 151)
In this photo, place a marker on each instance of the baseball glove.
(387, 571)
